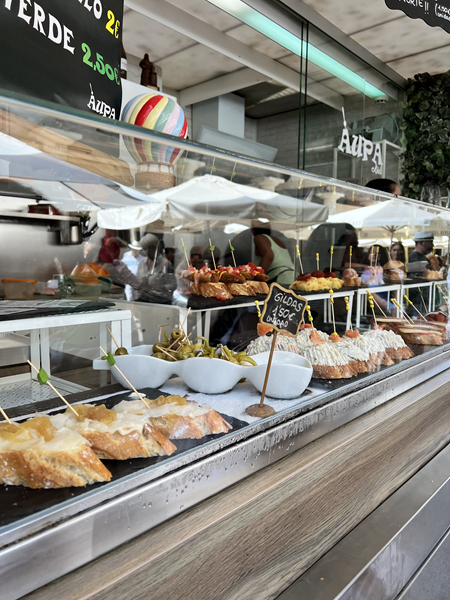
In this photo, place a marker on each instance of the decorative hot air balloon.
(155, 160)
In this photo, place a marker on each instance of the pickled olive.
(104, 357)
(198, 346)
(247, 359)
(243, 380)
(177, 334)
(157, 347)
(121, 351)
(159, 355)
(206, 344)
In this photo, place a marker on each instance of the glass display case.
(172, 246)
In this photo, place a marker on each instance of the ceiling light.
(291, 42)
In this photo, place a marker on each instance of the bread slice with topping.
(116, 436)
(36, 454)
(177, 418)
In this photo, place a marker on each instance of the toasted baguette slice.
(47, 459)
(211, 290)
(260, 287)
(115, 436)
(241, 289)
(420, 337)
(178, 418)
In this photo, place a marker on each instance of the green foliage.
(426, 128)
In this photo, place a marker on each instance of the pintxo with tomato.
(223, 283)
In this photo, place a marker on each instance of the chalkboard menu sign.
(283, 310)
(64, 51)
(435, 13)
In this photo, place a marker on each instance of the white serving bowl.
(289, 374)
(139, 367)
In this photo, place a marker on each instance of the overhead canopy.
(211, 198)
(391, 215)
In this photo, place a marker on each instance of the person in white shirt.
(131, 259)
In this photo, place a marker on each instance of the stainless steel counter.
(81, 530)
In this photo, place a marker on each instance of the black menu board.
(434, 13)
(64, 51)
(283, 310)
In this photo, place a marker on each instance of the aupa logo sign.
(360, 147)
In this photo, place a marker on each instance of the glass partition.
(188, 237)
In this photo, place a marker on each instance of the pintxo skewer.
(42, 378)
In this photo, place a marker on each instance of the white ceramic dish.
(289, 375)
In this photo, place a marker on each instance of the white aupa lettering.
(100, 107)
(360, 147)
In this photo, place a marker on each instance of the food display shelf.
(39, 327)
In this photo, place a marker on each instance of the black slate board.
(17, 502)
(200, 303)
(50, 312)
(434, 14)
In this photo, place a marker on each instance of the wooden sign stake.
(264, 410)
(284, 312)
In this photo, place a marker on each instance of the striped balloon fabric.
(158, 113)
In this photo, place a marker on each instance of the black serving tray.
(18, 502)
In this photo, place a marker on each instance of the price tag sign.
(64, 51)
(435, 13)
(283, 310)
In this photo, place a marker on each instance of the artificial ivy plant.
(426, 127)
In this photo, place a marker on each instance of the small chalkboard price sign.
(283, 311)
(435, 13)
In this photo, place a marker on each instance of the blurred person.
(154, 263)
(169, 255)
(424, 245)
(131, 259)
(385, 185)
(120, 274)
(397, 252)
(195, 258)
(273, 256)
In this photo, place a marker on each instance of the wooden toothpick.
(232, 253)
(377, 305)
(373, 310)
(351, 251)
(185, 253)
(5, 415)
(310, 318)
(160, 330)
(211, 249)
(411, 304)
(332, 310)
(42, 372)
(185, 318)
(317, 260)
(130, 384)
(347, 306)
(331, 259)
(113, 338)
(299, 259)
